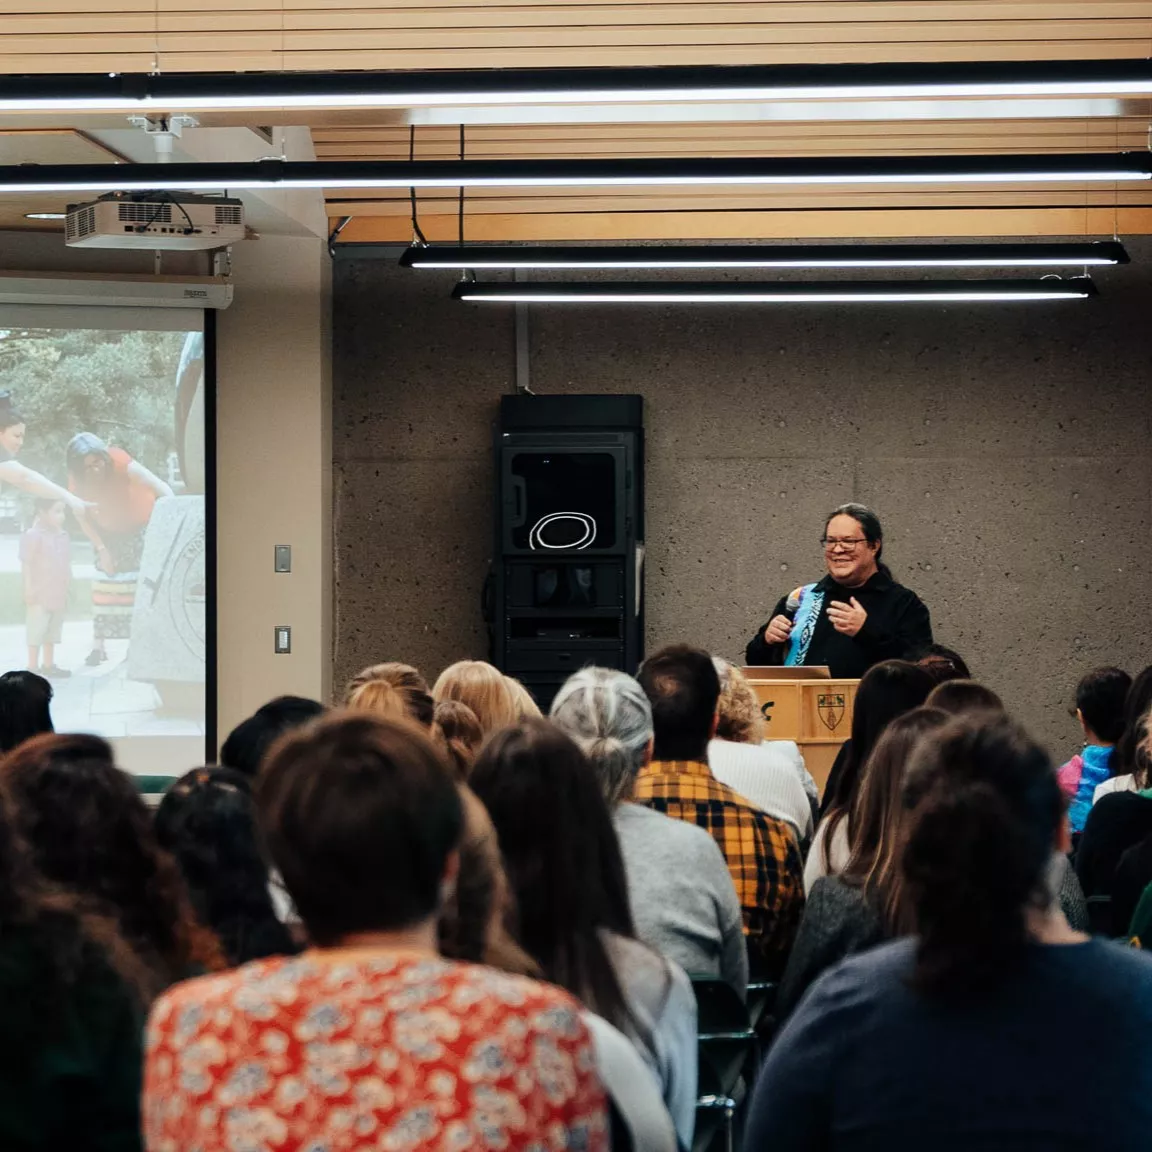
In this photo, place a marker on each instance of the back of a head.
(1101, 697)
(90, 831)
(683, 688)
(207, 821)
(608, 715)
(562, 857)
(1131, 755)
(360, 815)
(877, 812)
(984, 813)
(740, 719)
(249, 741)
(458, 730)
(943, 664)
(409, 696)
(25, 708)
(963, 697)
(526, 705)
(484, 689)
(887, 690)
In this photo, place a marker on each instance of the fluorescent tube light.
(829, 292)
(680, 256)
(192, 92)
(989, 169)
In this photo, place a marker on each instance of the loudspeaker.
(567, 578)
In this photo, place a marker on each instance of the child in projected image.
(46, 560)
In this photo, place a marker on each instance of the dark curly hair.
(53, 936)
(90, 831)
(207, 820)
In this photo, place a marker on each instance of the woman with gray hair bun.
(683, 901)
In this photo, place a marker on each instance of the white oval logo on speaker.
(565, 530)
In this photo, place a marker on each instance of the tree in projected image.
(117, 385)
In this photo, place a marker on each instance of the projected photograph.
(102, 533)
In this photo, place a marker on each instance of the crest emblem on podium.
(830, 706)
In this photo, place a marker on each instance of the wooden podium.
(815, 712)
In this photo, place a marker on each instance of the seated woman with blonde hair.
(484, 689)
(396, 691)
(772, 774)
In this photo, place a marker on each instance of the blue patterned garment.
(811, 600)
(1097, 768)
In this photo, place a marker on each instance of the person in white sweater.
(683, 901)
(771, 774)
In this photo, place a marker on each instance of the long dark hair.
(984, 809)
(25, 708)
(877, 814)
(887, 690)
(1131, 755)
(563, 860)
(60, 941)
(90, 831)
(207, 820)
(869, 524)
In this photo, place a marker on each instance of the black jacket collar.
(877, 582)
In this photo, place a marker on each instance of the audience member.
(90, 831)
(680, 891)
(1100, 698)
(1131, 762)
(1118, 822)
(25, 700)
(567, 875)
(484, 689)
(886, 691)
(862, 905)
(943, 664)
(395, 691)
(525, 701)
(761, 851)
(207, 821)
(474, 920)
(458, 731)
(72, 999)
(960, 697)
(363, 820)
(770, 775)
(1132, 880)
(958, 1037)
(250, 740)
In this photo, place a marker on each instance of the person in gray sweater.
(684, 904)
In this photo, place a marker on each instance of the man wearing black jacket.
(855, 617)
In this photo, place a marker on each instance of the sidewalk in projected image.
(103, 700)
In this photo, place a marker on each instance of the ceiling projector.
(171, 220)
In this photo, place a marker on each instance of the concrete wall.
(1006, 448)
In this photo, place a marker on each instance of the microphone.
(792, 604)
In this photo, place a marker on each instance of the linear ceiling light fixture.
(131, 92)
(480, 257)
(831, 292)
(990, 169)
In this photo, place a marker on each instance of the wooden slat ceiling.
(220, 35)
(55, 36)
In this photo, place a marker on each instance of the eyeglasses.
(851, 545)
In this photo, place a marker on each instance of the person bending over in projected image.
(122, 493)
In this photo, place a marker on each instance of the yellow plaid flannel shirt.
(762, 853)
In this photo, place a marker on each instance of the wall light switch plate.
(283, 639)
(283, 557)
